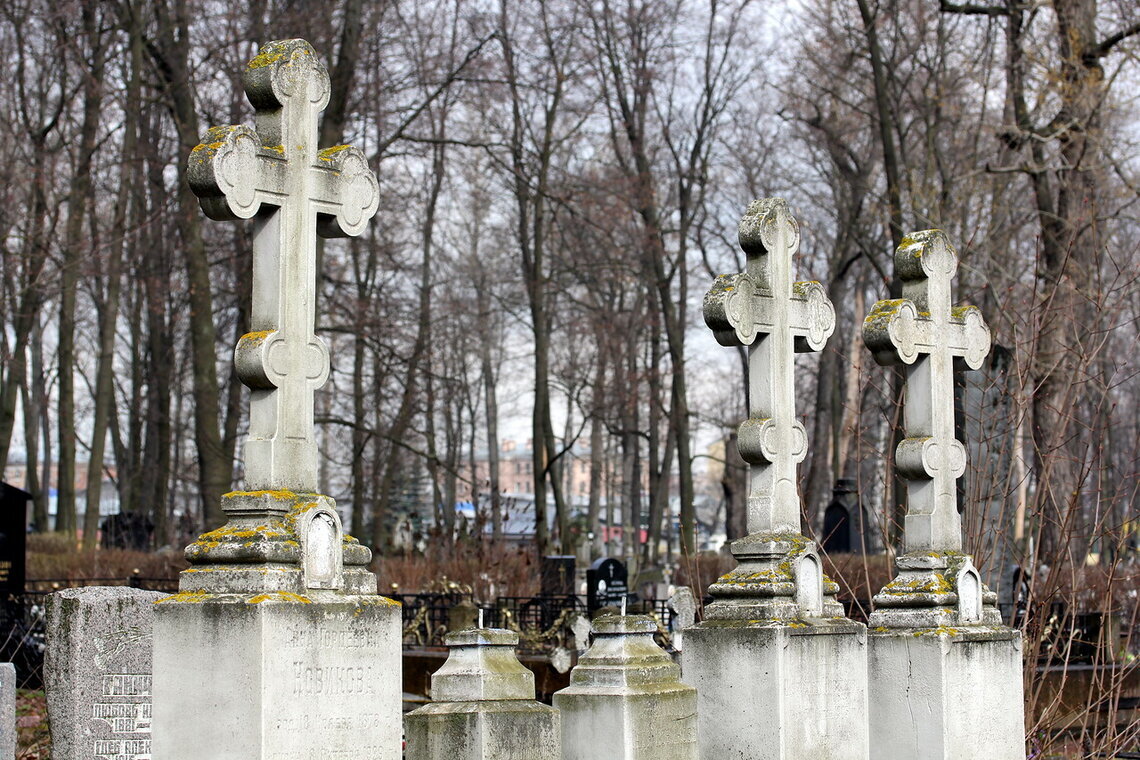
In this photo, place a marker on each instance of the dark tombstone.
(607, 584)
(842, 520)
(13, 538)
(127, 530)
(558, 575)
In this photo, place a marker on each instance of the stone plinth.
(779, 673)
(7, 711)
(946, 694)
(625, 695)
(272, 650)
(97, 672)
(945, 674)
(779, 689)
(483, 705)
(277, 676)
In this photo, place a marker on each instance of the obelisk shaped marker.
(276, 175)
(766, 310)
(926, 333)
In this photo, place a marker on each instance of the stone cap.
(482, 666)
(486, 637)
(616, 625)
(624, 656)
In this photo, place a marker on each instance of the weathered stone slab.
(7, 711)
(484, 707)
(772, 690)
(625, 695)
(277, 676)
(949, 694)
(97, 672)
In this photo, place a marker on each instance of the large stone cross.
(923, 331)
(764, 309)
(275, 175)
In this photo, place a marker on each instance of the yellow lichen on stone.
(280, 596)
(186, 597)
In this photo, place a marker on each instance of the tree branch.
(969, 9)
(1096, 52)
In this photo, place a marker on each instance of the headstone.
(607, 584)
(946, 676)
(127, 530)
(97, 672)
(483, 705)
(625, 695)
(558, 575)
(844, 522)
(463, 616)
(780, 673)
(13, 539)
(683, 602)
(277, 645)
(8, 736)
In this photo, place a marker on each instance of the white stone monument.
(277, 646)
(483, 705)
(780, 673)
(945, 674)
(625, 695)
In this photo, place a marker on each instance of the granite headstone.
(97, 672)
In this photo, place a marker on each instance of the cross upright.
(275, 175)
(923, 331)
(763, 308)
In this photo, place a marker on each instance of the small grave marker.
(97, 672)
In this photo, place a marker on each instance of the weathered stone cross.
(276, 175)
(923, 331)
(765, 310)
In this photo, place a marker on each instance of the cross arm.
(726, 310)
(350, 191)
(881, 327)
(813, 319)
(231, 172)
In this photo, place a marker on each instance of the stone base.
(506, 729)
(779, 690)
(620, 723)
(277, 676)
(946, 694)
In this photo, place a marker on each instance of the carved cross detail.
(275, 175)
(775, 317)
(923, 331)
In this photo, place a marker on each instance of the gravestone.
(946, 678)
(8, 736)
(557, 575)
(276, 645)
(625, 695)
(483, 705)
(607, 584)
(13, 539)
(683, 602)
(97, 672)
(780, 673)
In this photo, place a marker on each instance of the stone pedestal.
(780, 673)
(483, 705)
(273, 649)
(625, 695)
(945, 674)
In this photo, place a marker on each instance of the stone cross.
(923, 331)
(775, 317)
(275, 175)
